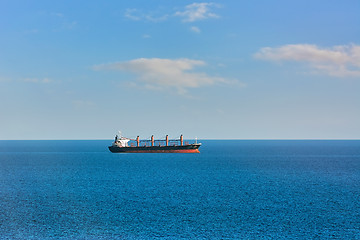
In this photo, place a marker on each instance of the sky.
(223, 69)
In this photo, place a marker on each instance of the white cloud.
(197, 11)
(195, 29)
(157, 73)
(339, 61)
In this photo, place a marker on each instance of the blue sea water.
(233, 189)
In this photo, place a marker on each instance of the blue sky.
(212, 70)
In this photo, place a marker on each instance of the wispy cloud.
(38, 80)
(132, 13)
(57, 14)
(138, 15)
(338, 61)
(191, 13)
(197, 11)
(195, 29)
(63, 21)
(157, 73)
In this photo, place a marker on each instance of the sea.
(233, 189)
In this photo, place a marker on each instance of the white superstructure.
(121, 141)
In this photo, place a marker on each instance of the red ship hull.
(190, 148)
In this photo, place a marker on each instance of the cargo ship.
(121, 145)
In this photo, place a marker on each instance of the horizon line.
(242, 139)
